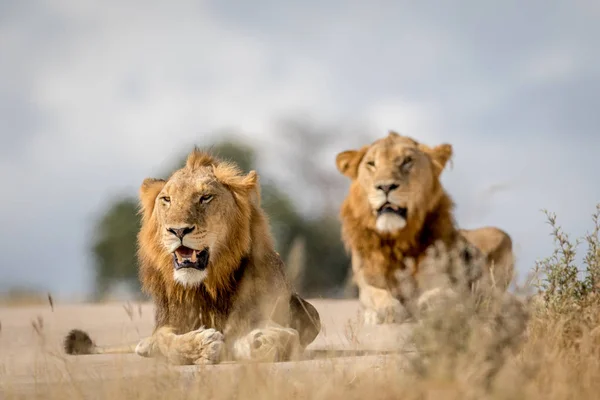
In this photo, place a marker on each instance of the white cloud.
(187, 74)
(406, 117)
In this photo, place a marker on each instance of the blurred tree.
(307, 149)
(296, 262)
(326, 260)
(114, 247)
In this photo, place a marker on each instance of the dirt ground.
(32, 359)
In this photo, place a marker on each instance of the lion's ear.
(440, 156)
(245, 186)
(251, 183)
(347, 162)
(148, 191)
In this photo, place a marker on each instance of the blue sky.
(97, 96)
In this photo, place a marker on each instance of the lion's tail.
(79, 342)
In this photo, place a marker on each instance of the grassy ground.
(494, 347)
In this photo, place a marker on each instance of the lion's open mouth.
(184, 257)
(393, 209)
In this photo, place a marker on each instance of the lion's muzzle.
(391, 218)
(393, 209)
(184, 257)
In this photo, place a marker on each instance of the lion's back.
(497, 245)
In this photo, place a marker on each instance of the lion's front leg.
(201, 346)
(269, 343)
(379, 305)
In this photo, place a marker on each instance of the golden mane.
(390, 253)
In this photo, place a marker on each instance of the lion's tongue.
(185, 253)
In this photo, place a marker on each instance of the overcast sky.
(96, 96)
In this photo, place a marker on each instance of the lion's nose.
(387, 188)
(181, 232)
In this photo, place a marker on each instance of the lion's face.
(196, 213)
(190, 213)
(398, 177)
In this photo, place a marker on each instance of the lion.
(395, 211)
(207, 259)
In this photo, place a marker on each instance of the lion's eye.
(165, 199)
(206, 198)
(371, 163)
(406, 163)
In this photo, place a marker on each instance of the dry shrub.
(501, 345)
(465, 336)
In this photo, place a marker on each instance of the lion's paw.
(146, 347)
(202, 346)
(268, 344)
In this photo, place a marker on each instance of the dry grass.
(470, 347)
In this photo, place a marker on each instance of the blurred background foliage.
(307, 238)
